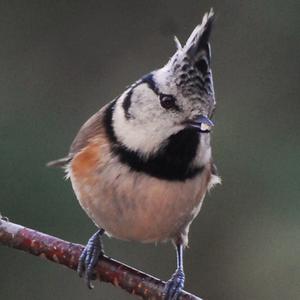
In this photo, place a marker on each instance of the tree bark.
(65, 253)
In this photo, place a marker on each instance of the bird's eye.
(167, 101)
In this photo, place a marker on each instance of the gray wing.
(92, 127)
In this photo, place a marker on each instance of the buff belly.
(135, 206)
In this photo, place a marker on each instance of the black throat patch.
(172, 162)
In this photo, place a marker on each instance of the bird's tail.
(59, 163)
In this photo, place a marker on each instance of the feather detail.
(200, 35)
(59, 163)
(177, 42)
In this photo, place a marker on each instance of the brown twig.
(65, 253)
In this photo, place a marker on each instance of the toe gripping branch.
(175, 285)
(89, 258)
(66, 253)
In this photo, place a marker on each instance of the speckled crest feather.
(190, 66)
(199, 38)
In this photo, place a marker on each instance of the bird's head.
(176, 97)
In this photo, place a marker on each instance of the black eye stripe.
(151, 83)
(126, 104)
(148, 79)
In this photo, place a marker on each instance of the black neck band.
(172, 162)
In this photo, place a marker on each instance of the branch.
(65, 253)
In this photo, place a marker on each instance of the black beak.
(201, 123)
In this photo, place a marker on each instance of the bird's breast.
(131, 205)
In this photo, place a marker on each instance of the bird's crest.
(190, 66)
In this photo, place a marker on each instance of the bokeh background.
(60, 61)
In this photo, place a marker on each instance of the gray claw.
(174, 286)
(89, 258)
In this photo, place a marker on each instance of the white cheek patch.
(143, 131)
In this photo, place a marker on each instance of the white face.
(142, 119)
(148, 125)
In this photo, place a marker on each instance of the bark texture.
(65, 253)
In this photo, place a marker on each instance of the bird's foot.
(174, 285)
(90, 257)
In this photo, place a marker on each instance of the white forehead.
(165, 81)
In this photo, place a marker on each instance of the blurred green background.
(60, 61)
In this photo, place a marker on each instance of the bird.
(141, 166)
